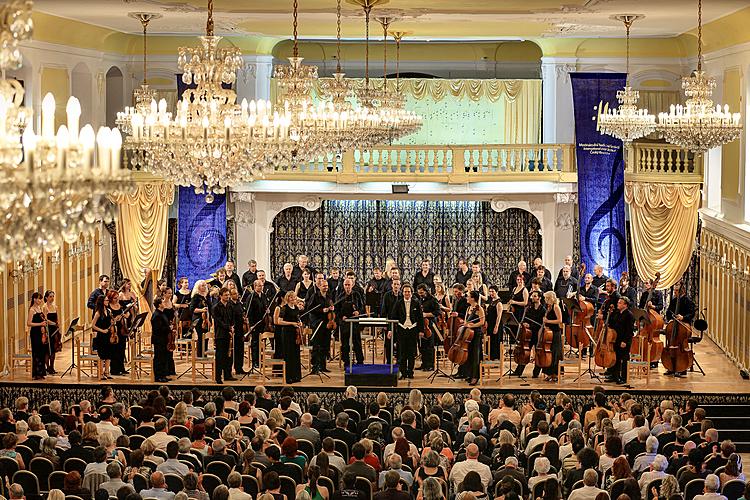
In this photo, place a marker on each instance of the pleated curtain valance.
(664, 219)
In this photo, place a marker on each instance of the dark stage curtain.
(170, 263)
(115, 272)
(362, 234)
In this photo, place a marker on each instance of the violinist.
(657, 298)
(287, 318)
(474, 320)
(200, 312)
(553, 320)
(430, 311)
(408, 313)
(318, 306)
(35, 325)
(49, 308)
(160, 330)
(374, 291)
(681, 308)
(223, 316)
(494, 314)
(628, 291)
(389, 300)
(425, 276)
(256, 313)
(565, 285)
(534, 319)
(238, 346)
(622, 322)
(351, 306)
(181, 302)
(269, 288)
(118, 314)
(100, 325)
(541, 273)
(167, 296)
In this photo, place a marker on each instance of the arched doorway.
(115, 94)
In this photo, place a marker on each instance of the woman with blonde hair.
(107, 440)
(198, 307)
(286, 317)
(553, 321)
(230, 435)
(90, 435)
(414, 401)
(180, 416)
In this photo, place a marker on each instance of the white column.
(564, 229)
(254, 81)
(557, 100)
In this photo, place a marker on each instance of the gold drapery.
(142, 222)
(664, 219)
(657, 101)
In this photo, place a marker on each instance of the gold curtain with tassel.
(142, 222)
(664, 219)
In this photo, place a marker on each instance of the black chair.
(733, 489)
(578, 484)
(342, 448)
(669, 448)
(288, 486)
(328, 483)
(26, 453)
(57, 480)
(221, 422)
(529, 437)
(179, 431)
(250, 485)
(136, 440)
(541, 485)
(125, 452)
(719, 470)
(656, 483)
(306, 447)
(353, 415)
(694, 488)
(517, 488)
(191, 461)
(174, 483)
(140, 482)
(364, 485)
(616, 488)
(210, 483)
(260, 466)
(161, 454)
(248, 432)
(530, 463)
(151, 465)
(145, 431)
(42, 468)
(219, 469)
(136, 412)
(73, 497)
(385, 415)
(8, 467)
(74, 463)
(29, 482)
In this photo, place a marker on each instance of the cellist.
(474, 319)
(681, 308)
(431, 311)
(657, 298)
(622, 321)
(534, 318)
(612, 297)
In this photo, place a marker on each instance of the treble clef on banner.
(205, 243)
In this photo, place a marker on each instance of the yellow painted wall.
(72, 279)
(56, 80)
(730, 153)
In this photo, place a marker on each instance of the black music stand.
(589, 370)
(571, 305)
(508, 321)
(72, 331)
(137, 325)
(438, 372)
(320, 374)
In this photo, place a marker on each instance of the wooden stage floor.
(722, 377)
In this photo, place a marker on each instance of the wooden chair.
(86, 355)
(639, 367)
(141, 356)
(569, 365)
(22, 357)
(487, 366)
(200, 361)
(266, 357)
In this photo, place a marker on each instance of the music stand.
(588, 370)
(508, 321)
(320, 374)
(438, 372)
(72, 331)
(137, 325)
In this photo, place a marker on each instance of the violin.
(576, 336)
(331, 318)
(113, 337)
(172, 336)
(604, 352)
(45, 333)
(204, 316)
(677, 355)
(298, 335)
(650, 332)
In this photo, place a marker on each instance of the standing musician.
(35, 325)
(494, 315)
(334, 283)
(475, 319)
(538, 263)
(565, 285)
(460, 303)
(285, 281)
(657, 298)
(356, 286)
(305, 284)
(167, 297)
(553, 320)
(681, 308)
(430, 311)
(318, 306)
(127, 297)
(425, 276)
(477, 284)
(599, 278)
(286, 318)
(238, 346)
(389, 300)
(351, 305)
(628, 291)
(200, 313)
(521, 270)
(249, 276)
(181, 303)
(410, 325)
(99, 292)
(375, 290)
(160, 330)
(100, 325)
(53, 330)
(610, 287)
(464, 273)
(519, 298)
(119, 321)
(568, 262)
(220, 279)
(589, 292)
(269, 287)
(545, 284)
(623, 322)
(231, 275)
(256, 315)
(535, 313)
(303, 263)
(223, 316)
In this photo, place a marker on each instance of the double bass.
(576, 336)
(604, 352)
(677, 355)
(454, 324)
(649, 334)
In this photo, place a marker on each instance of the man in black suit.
(303, 262)
(249, 276)
(374, 410)
(538, 263)
(341, 432)
(224, 316)
(622, 322)
(76, 450)
(522, 271)
(426, 276)
(412, 433)
(351, 403)
(392, 489)
(231, 275)
(351, 305)
(390, 297)
(408, 313)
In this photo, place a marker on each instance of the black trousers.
(427, 350)
(321, 343)
(255, 345)
(201, 332)
(407, 346)
(161, 361)
(117, 365)
(620, 370)
(239, 351)
(354, 337)
(223, 364)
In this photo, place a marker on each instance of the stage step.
(722, 423)
(727, 411)
(732, 422)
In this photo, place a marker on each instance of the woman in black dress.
(53, 330)
(475, 320)
(119, 319)
(553, 321)
(101, 323)
(520, 298)
(287, 318)
(181, 303)
(303, 286)
(36, 323)
(167, 296)
(199, 307)
(494, 313)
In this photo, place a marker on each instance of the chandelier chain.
(338, 36)
(700, 34)
(144, 21)
(367, 44)
(210, 21)
(385, 52)
(628, 24)
(295, 50)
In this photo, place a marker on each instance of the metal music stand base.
(588, 370)
(319, 374)
(438, 372)
(510, 372)
(695, 363)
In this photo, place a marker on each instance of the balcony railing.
(453, 164)
(663, 163)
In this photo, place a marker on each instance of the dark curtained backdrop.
(362, 234)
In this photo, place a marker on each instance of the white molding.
(741, 49)
(737, 232)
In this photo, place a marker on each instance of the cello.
(458, 354)
(649, 334)
(604, 352)
(543, 349)
(677, 355)
(576, 335)
(522, 351)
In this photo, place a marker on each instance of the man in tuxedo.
(541, 274)
(160, 329)
(538, 263)
(256, 311)
(408, 313)
(464, 273)
(269, 288)
(318, 305)
(285, 280)
(351, 305)
(656, 302)
(341, 432)
(681, 308)
(334, 282)
(568, 261)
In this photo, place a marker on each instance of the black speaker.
(400, 188)
(745, 374)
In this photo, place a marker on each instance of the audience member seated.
(656, 471)
(358, 466)
(158, 488)
(711, 489)
(590, 490)
(114, 472)
(72, 485)
(394, 464)
(193, 488)
(392, 487)
(732, 470)
(472, 486)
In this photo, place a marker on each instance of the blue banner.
(202, 235)
(601, 204)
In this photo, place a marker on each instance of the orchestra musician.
(568, 261)
(426, 276)
(681, 308)
(220, 278)
(249, 276)
(477, 270)
(459, 301)
(538, 263)
(304, 285)
(269, 288)
(389, 300)
(375, 290)
(477, 284)
(494, 314)
(317, 307)
(223, 317)
(54, 333)
(565, 285)
(198, 308)
(99, 292)
(521, 270)
(285, 281)
(256, 313)
(599, 278)
(101, 323)
(430, 311)
(474, 319)
(535, 313)
(610, 287)
(351, 305)
(464, 273)
(286, 317)
(657, 298)
(408, 313)
(231, 275)
(356, 286)
(589, 292)
(334, 283)
(628, 291)
(545, 284)
(35, 323)
(519, 298)
(119, 316)
(553, 320)
(181, 303)
(167, 297)
(622, 321)
(160, 330)
(303, 263)
(238, 340)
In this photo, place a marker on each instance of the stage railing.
(663, 163)
(455, 164)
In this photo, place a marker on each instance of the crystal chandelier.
(143, 95)
(627, 122)
(699, 126)
(52, 186)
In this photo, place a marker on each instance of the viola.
(331, 323)
(604, 352)
(45, 333)
(172, 336)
